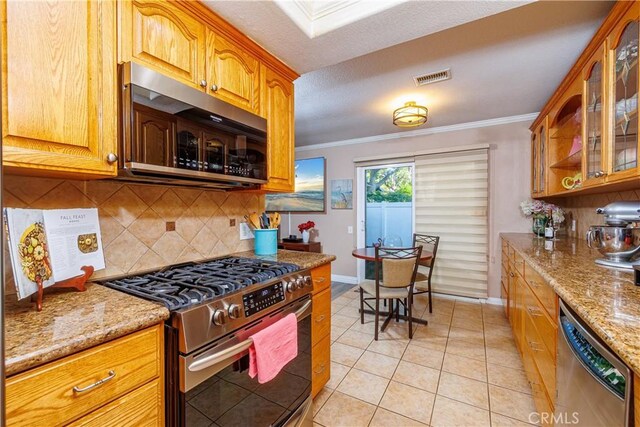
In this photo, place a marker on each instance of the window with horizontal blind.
(451, 201)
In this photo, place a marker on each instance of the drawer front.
(543, 291)
(505, 297)
(320, 365)
(141, 407)
(544, 325)
(541, 399)
(321, 316)
(543, 359)
(321, 278)
(46, 396)
(518, 263)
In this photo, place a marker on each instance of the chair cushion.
(369, 286)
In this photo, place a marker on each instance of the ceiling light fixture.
(411, 115)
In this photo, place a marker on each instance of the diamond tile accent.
(169, 246)
(61, 196)
(124, 251)
(124, 206)
(169, 206)
(149, 227)
(148, 193)
(29, 189)
(188, 225)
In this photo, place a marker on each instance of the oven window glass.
(232, 398)
(188, 150)
(215, 152)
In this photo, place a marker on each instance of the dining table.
(369, 254)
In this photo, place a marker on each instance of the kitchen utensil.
(254, 221)
(275, 220)
(620, 213)
(265, 220)
(616, 243)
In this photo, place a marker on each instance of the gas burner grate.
(189, 284)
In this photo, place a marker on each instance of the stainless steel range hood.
(199, 140)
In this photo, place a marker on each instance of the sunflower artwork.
(34, 254)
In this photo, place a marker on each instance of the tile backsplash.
(583, 208)
(133, 218)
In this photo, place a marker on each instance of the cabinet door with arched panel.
(233, 74)
(594, 119)
(622, 55)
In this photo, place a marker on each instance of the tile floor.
(462, 369)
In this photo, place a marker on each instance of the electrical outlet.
(350, 229)
(245, 231)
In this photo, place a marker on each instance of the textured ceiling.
(269, 26)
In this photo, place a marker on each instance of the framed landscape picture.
(310, 189)
(341, 194)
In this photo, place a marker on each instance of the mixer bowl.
(616, 243)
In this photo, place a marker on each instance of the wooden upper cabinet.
(278, 109)
(539, 145)
(59, 111)
(594, 118)
(622, 58)
(162, 36)
(232, 73)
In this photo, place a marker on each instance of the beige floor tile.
(498, 340)
(502, 331)
(338, 372)
(320, 399)
(368, 327)
(342, 410)
(408, 401)
(504, 356)
(444, 319)
(498, 420)
(467, 323)
(475, 336)
(354, 302)
(364, 386)
(464, 366)
(351, 294)
(341, 301)
(417, 376)
(345, 354)
(384, 418)
(378, 364)
(511, 403)
(393, 348)
(423, 356)
(426, 339)
(464, 390)
(355, 339)
(342, 321)
(336, 308)
(465, 348)
(514, 379)
(336, 331)
(435, 329)
(451, 413)
(349, 312)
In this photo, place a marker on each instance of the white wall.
(509, 175)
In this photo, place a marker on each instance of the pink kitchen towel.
(273, 347)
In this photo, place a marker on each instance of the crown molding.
(422, 132)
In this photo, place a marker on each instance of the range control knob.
(234, 311)
(291, 286)
(300, 283)
(218, 317)
(308, 281)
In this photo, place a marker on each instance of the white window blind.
(452, 202)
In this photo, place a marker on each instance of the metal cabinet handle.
(319, 280)
(320, 318)
(111, 376)
(511, 274)
(534, 346)
(203, 83)
(321, 370)
(534, 311)
(214, 87)
(111, 158)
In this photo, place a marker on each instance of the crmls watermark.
(546, 418)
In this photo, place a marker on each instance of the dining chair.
(423, 281)
(395, 273)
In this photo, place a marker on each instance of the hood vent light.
(437, 76)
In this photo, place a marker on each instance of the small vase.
(305, 236)
(538, 226)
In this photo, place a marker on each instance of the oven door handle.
(234, 350)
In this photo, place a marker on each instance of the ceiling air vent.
(438, 76)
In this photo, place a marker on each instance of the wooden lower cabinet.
(61, 392)
(321, 328)
(532, 306)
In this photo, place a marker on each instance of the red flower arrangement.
(306, 226)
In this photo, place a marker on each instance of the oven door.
(214, 387)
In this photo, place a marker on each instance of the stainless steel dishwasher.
(594, 385)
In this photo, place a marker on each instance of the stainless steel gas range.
(215, 308)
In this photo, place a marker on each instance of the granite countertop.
(303, 259)
(606, 299)
(71, 321)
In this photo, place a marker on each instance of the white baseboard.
(494, 301)
(352, 280)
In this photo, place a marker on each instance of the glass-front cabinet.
(539, 160)
(623, 69)
(594, 153)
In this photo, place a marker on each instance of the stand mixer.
(619, 239)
